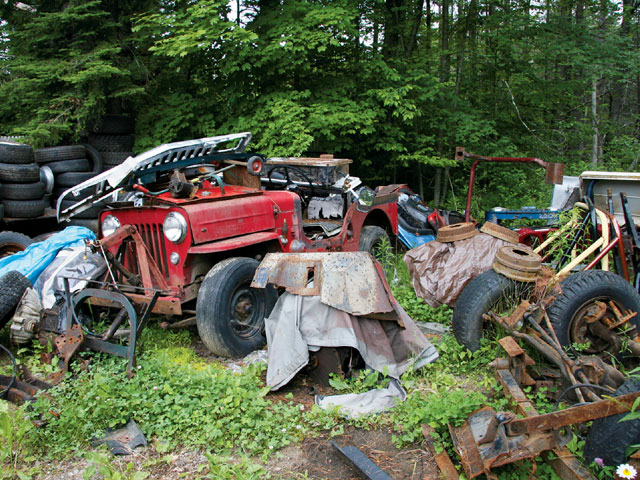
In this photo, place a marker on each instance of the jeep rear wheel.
(229, 313)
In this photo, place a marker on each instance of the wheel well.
(379, 218)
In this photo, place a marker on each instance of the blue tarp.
(411, 240)
(37, 256)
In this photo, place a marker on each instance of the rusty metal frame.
(73, 338)
(503, 438)
(554, 171)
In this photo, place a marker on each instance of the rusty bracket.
(572, 415)
(489, 439)
(518, 361)
(68, 343)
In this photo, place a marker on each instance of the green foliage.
(225, 468)
(416, 307)
(14, 429)
(64, 63)
(395, 89)
(102, 466)
(447, 396)
(174, 397)
(365, 381)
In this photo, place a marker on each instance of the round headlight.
(175, 227)
(109, 225)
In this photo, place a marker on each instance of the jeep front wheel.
(229, 313)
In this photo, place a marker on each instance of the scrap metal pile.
(573, 300)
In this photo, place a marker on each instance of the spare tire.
(19, 173)
(23, 208)
(484, 293)
(609, 438)
(112, 159)
(74, 165)
(94, 157)
(71, 179)
(56, 154)
(13, 242)
(23, 191)
(11, 152)
(12, 287)
(112, 143)
(569, 313)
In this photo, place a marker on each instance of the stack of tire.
(114, 139)
(22, 194)
(70, 166)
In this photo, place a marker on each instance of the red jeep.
(191, 220)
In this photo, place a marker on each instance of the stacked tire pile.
(23, 192)
(69, 166)
(113, 139)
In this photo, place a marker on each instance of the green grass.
(181, 400)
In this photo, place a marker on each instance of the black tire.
(255, 166)
(94, 158)
(14, 173)
(112, 143)
(23, 208)
(111, 159)
(12, 287)
(15, 153)
(609, 438)
(71, 179)
(57, 154)
(374, 239)
(579, 291)
(371, 238)
(478, 297)
(13, 242)
(115, 125)
(23, 191)
(223, 289)
(75, 165)
(90, 213)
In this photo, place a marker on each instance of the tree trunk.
(437, 187)
(594, 120)
(444, 41)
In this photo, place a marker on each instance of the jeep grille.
(153, 238)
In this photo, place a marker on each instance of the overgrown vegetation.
(395, 85)
(182, 401)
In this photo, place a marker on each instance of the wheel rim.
(246, 312)
(7, 249)
(581, 329)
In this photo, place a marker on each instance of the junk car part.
(145, 166)
(553, 170)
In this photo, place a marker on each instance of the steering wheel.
(292, 186)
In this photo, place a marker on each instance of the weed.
(101, 465)
(225, 468)
(175, 397)
(14, 429)
(365, 381)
